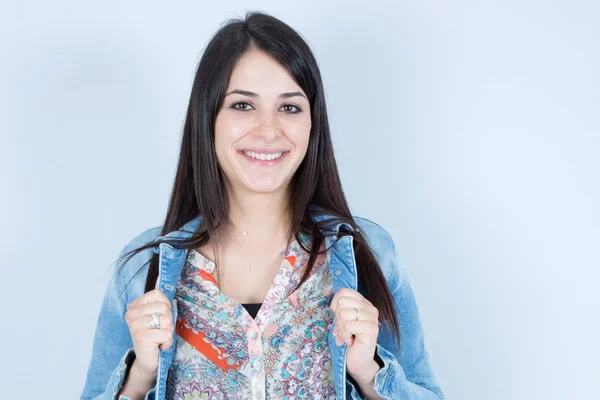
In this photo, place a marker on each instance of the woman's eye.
(289, 109)
(243, 105)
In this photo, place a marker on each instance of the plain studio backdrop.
(468, 129)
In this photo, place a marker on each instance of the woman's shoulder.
(376, 235)
(128, 266)
(143, 238)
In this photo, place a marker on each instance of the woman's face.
(263, 127)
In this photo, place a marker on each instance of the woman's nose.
(267, 126)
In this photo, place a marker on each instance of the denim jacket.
(407, 373)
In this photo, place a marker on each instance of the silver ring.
(357, 313)
(155, 322)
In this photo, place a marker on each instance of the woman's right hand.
(147, 340)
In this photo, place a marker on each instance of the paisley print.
(221, 352)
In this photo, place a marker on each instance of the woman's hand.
(146, 340)
(360, 335)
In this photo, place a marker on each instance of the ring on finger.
(155, 321)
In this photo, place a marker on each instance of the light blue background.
(469, 129)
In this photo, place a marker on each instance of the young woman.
(260, 284)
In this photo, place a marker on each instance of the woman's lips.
(264, 162)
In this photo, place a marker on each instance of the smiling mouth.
(262, 158)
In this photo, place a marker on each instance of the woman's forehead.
(259, 73)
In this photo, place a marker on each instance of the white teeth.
(263, 156)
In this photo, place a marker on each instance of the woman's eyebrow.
(252, 94)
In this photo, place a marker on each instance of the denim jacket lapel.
(171, 261)
(342, 265)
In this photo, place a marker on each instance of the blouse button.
(337, 272)
(254, 335)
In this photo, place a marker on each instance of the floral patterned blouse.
(221, 352)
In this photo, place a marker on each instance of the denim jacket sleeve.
(112, 351)
(407, 373)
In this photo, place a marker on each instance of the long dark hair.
(199, 186)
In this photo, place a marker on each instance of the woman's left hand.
(359, 334)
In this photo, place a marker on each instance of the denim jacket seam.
(124, 288)
(393, 264)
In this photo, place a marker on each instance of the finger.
(153, 338)
(164, 342)
(166, 345)
(364, 331)
(152, 296)
(345, 315)
(346, 293)
(354, 303)
(342, 335)
(144, 323)
(350, 314)
(161, 307)
(149, 297)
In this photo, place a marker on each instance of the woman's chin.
(263, 186)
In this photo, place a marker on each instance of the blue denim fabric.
(406, 374)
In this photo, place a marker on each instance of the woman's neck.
(265, 217)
